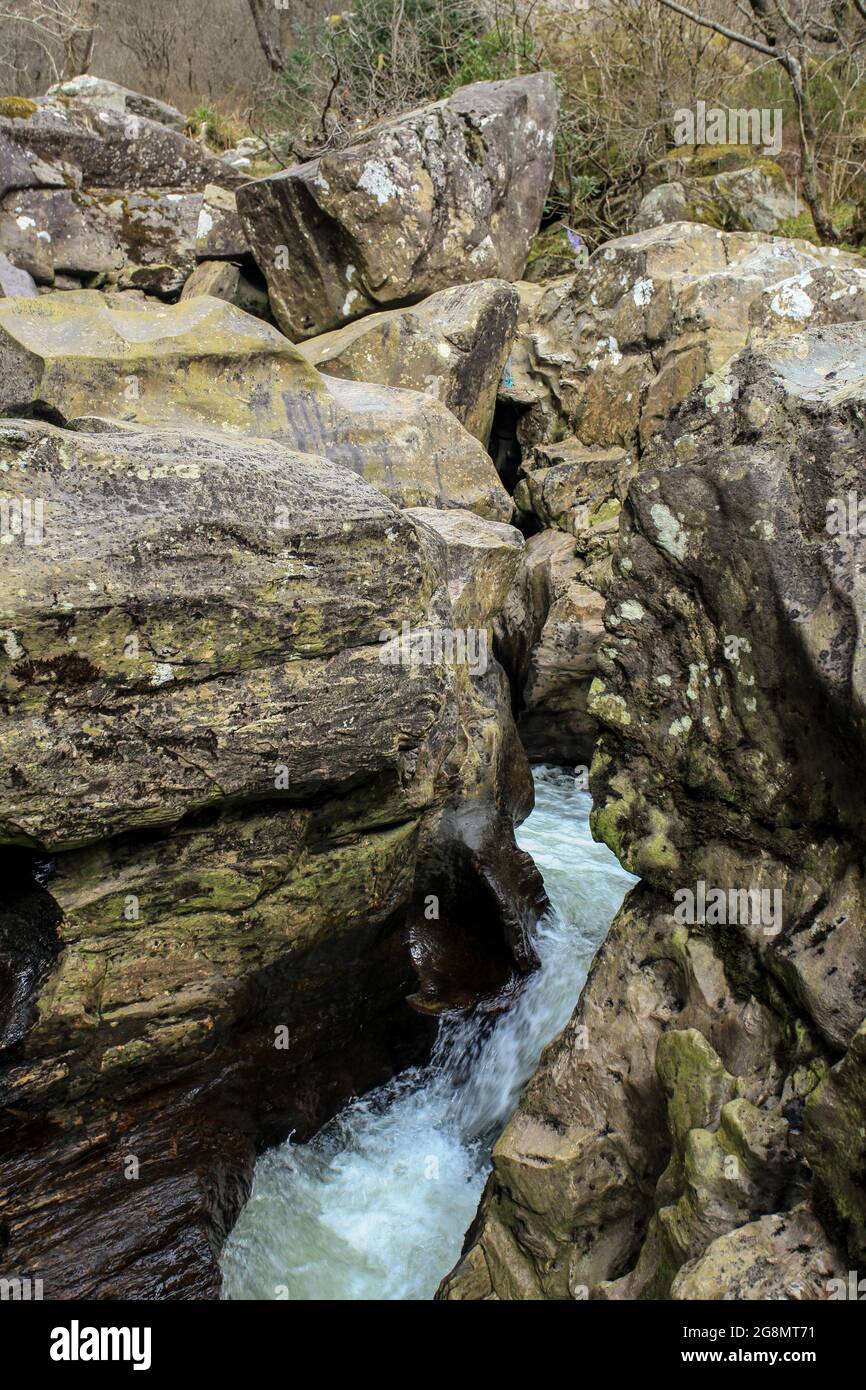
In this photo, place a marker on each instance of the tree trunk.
(269, 43)
(827, 233)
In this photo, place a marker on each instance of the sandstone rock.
(219, 233)
(835, 1144)
(755, 198)
(109, 96)
(481, 561)
(245, 808)
(447, 194)
(226, 280)
(608, 354)
(602, 358)
(124, 236)
(546, 638)
(775, 1258)
(576, 488)
(66, 141)
(205, 364)
(452, 346)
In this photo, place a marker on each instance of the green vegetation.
(623, 68)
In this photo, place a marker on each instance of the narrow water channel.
(376, 1205)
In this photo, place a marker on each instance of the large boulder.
(607, 354)
(144, 238)
(93, 188)
(224, 809)
(712, 1078)
(204, 363)
(453, 346)
(755, 198)
(602, 359)
(447, 194)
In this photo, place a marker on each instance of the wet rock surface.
(244, 806)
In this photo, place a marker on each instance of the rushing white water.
(376, 1205)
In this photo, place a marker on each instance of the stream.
(376, 1205)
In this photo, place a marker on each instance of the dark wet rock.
(247, 807)
(730, 700)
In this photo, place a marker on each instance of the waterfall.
(376, 1205)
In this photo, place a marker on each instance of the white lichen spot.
(663, 680)
(791, 301)
(672, 537)
(12, 646)
(764, 529)
(349, 301)
(605, 348)
(680, 726)
(376, 180)
(162, 673)
(632, 610)
(482, 251)
(205, 224)
(25, 222)
(643, 292)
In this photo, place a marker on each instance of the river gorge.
(432, 689)
(377, 1204)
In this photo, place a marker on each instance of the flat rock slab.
(55, 140)
(205, 364)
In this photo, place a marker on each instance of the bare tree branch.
(722, 29)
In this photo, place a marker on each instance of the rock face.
(453, 346)
(602, 359)
(57, 142)
(223, 812)
(698, 1128)
(547, 637)
(444, 195)
(611, 351)
(204, 360)
(144, 240)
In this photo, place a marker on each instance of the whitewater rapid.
(376, 1205)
